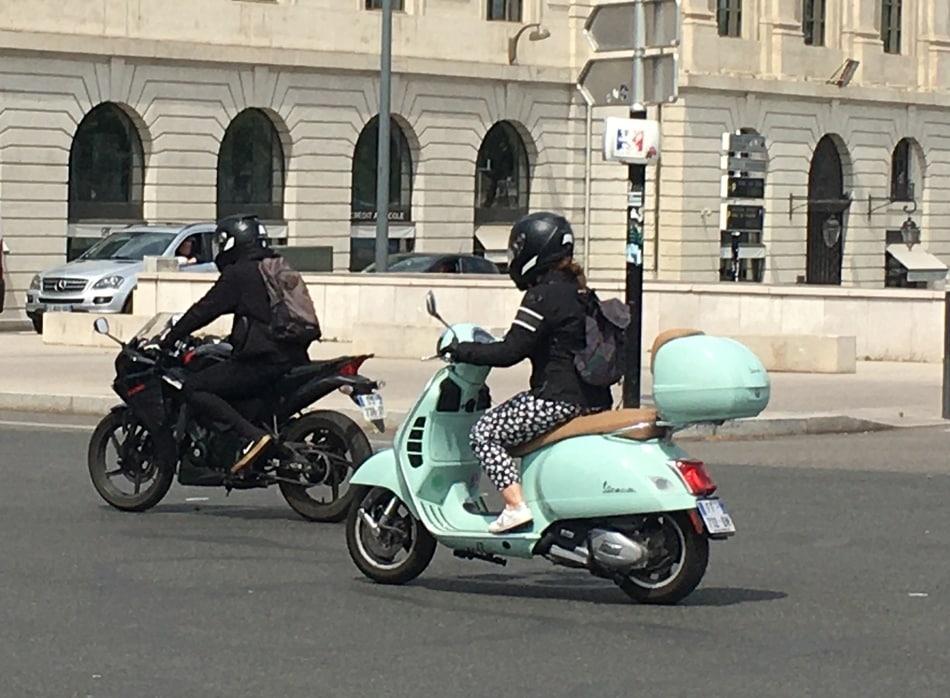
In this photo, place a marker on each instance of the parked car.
(424, 263)
(102, 278)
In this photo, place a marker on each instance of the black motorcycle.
(139, 446)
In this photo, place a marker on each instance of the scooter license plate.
(715, 516)
(372, 406)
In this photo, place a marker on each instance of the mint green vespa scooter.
(610, 493)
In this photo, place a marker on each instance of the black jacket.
(548, 329)
(240, 290)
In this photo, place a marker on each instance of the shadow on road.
(228, 511)
(590, 590)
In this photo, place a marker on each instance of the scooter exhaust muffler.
(579, 557)
(609, 550)
(613, 550)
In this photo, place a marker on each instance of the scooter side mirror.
(431, 309)
(430, 305)
(101, 326)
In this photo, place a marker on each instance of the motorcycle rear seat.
(315, 369)
(635, 424)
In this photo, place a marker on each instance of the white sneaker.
(510, 519)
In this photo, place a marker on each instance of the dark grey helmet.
(536, 242)
(237, 237)
(241, 231)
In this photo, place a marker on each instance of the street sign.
(747, 166)
(607, 81)
(613, 27)
(743, 187)
(744, 143)
(631, 141)
(739, 218)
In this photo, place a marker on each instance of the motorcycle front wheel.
(678, 559)
(328, 448)
(386, 542)
(122, 464)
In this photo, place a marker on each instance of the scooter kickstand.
(485, 557)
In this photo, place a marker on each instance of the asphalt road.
(836, 585)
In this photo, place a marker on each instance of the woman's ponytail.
(568, 264)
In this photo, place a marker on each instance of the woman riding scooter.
(548, 329)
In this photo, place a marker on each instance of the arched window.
(251, 168)
(905, 171)
(363, 190)
(501, 176)
(106, 168)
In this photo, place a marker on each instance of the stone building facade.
(175, 110)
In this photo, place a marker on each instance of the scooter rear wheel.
(682, 555)
(386, 542)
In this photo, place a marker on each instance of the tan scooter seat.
(668, 336)
(637, 424)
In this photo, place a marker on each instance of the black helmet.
(236, 236)
(536, 242)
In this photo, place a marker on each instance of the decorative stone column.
(780, 27)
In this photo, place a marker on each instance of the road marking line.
(46, 425)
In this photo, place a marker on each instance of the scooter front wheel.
(679, 556)
(386, 542)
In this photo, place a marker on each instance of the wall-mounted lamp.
(910, 233)
(539, 34)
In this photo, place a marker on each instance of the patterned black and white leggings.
(512, 423)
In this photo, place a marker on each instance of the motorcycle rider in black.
(257, 359)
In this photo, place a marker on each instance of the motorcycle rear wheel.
(335, 434)
(680, 569)
(134, 455)
(375, 552)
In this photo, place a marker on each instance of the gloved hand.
(449, 351)
(167, 345)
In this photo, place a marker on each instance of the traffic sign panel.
(614, 27)
(740, 218)
(744, 143)
(608, 81)
(756, 166)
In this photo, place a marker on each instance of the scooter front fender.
(382, 470)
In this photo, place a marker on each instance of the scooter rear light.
(696, 477)
(189, 357)
(353, 367)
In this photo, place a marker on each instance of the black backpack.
(603, 360)
(293, 318)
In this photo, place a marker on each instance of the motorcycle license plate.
(715, 516)
(372, 406)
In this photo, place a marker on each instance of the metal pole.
(637, 176)
(946, 355)
(382, 153)
(588, 163)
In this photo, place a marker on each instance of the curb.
(763, 428)
(758, 428)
